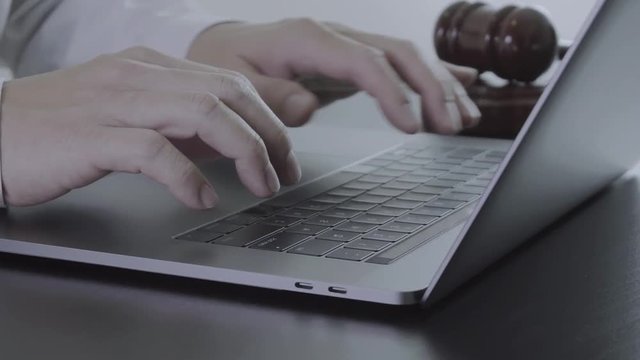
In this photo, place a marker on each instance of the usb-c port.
(337, 290)
(303, 285)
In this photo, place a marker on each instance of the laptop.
(379, 217)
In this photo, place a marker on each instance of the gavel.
(518, 44)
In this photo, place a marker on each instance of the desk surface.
(573, 293)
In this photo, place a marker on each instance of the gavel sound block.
(518, 44)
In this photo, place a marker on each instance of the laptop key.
(341, 213)
(414, 178)
(400, 185)
(389, 172)
(262, 210)
(356, 227)
(446, 204)
(342, 191)
(402, 167)
(372, 219)
(366, 244)
(247, 235)
(298, 213)
(376, 179)
(431, 211)
(221, 227)
(389, 236)
(400, 227)
(324, 221)
(477, 190)
(356, 205)
(373, 199)
(199, 236)
(467, 171)
(418, 219)
(315, 247)
(427, 172)
(415, 161)
(360, 185)
(456, 177)
(338, 235)
(307, 229)
(426, 189)
(442, 183)
(281, 220)
(314, 206)
(386, 211)
(242, 219)
(385, 192)
(415, 196)
(330, 199)
(478, 182)
(459, 196)
(279, 242)
(403, 204)
(439, 166)
(350, 254)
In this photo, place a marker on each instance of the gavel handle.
(563, 48)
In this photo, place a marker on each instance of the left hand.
(273, 55)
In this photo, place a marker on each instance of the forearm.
(68, 32)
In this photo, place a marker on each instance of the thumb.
(293, 104)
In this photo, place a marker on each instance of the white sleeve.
(79, 30)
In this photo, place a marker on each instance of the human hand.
(273, 55)
(65, 129)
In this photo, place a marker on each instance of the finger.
(147, 152)
(185, 115)
(292, 103)
(314, 49)
(465, 75)
(469, 113)
(289, 100)
(438, 115)
(235, 90)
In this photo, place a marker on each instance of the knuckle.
(139, 52)
(281, 138)
(238, 87)
(186, 170)
(256, 147)
(122, 70)
(373, 55)
(206, 104)
(153, 145)
(407, 47)
(308, 25)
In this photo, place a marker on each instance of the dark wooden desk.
(574, 293)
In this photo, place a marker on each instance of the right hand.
(66, 129)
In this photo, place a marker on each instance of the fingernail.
(297, 107)
(293, 168)
(412, 122)
(208, 196)
(473, 113)
(272, 179)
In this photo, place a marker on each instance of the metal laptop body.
(567, 154)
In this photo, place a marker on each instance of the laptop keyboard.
(376, 211)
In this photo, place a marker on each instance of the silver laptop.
(405, 224)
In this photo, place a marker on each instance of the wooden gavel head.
(516, 43)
